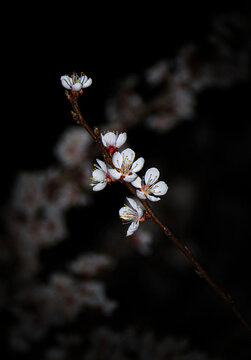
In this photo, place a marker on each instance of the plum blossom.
(126, 167)
(90, 264)
(72, 146)
(100, 176)
(149, 187)
(75, 82)
(133, 214)
(113, 141)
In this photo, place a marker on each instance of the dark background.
(108, 46)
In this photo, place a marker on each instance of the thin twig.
(78, 117)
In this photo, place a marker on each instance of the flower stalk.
(149, 213)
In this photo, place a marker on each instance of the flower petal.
(102, 164)
(128, 156)
(126, 213)
(151, 176)
(138, 164)
(152, 198)
(130, 178)
(121, 139)
(109, 139)
(132, 228)
(98, 175)
(82, 79)
(99, 186)
(87, 83)
(114, 174)
(132, 203)
(117, 160)
(137, 182)
(140, 212)
(66, 81)
(140, 194)
(77, 86)
(160, 188)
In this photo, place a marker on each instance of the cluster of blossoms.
(105, 343)
(167, 92)
(125, 168)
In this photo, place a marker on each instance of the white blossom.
(72, 146)
(113, 140)
(90, 264)
(100, 176)
(126, 167)
(149, 187)
(132, 214)
(75, 82)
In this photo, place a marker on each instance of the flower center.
(111, 149)
(146, 189)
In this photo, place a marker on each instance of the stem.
(184, 249)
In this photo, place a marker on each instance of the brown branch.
(184, 249)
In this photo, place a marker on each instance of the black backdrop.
(108, 46)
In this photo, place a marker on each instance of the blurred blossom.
(91, 264)
(72, 146)
(167, 93)
(158, 73)
(93, 293)
(142, 241)
(114, 345)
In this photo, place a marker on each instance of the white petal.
(109, 139)
(117, 160)
(98, 175)
(82, 79)
(77, 86)
(140, 212)
(137, 183)
(152, 198)
(66, 81)
(114, 174)
(102, 164)
(151, 176)
(128, 156)
(133, 203)
(126, 213)
(140, 194)
(87, 83)
(103, 139)
(130, 178)
(138, 164)
(132, 228)
(121, 139)
(99, 186)
(160, 188)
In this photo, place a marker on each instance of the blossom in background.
(126, 167)
(113, 141)
(100, 176)
(90, 264)
(75, 82)
(150, 185)
(72, 146)
(133, 214)
(142, 241)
